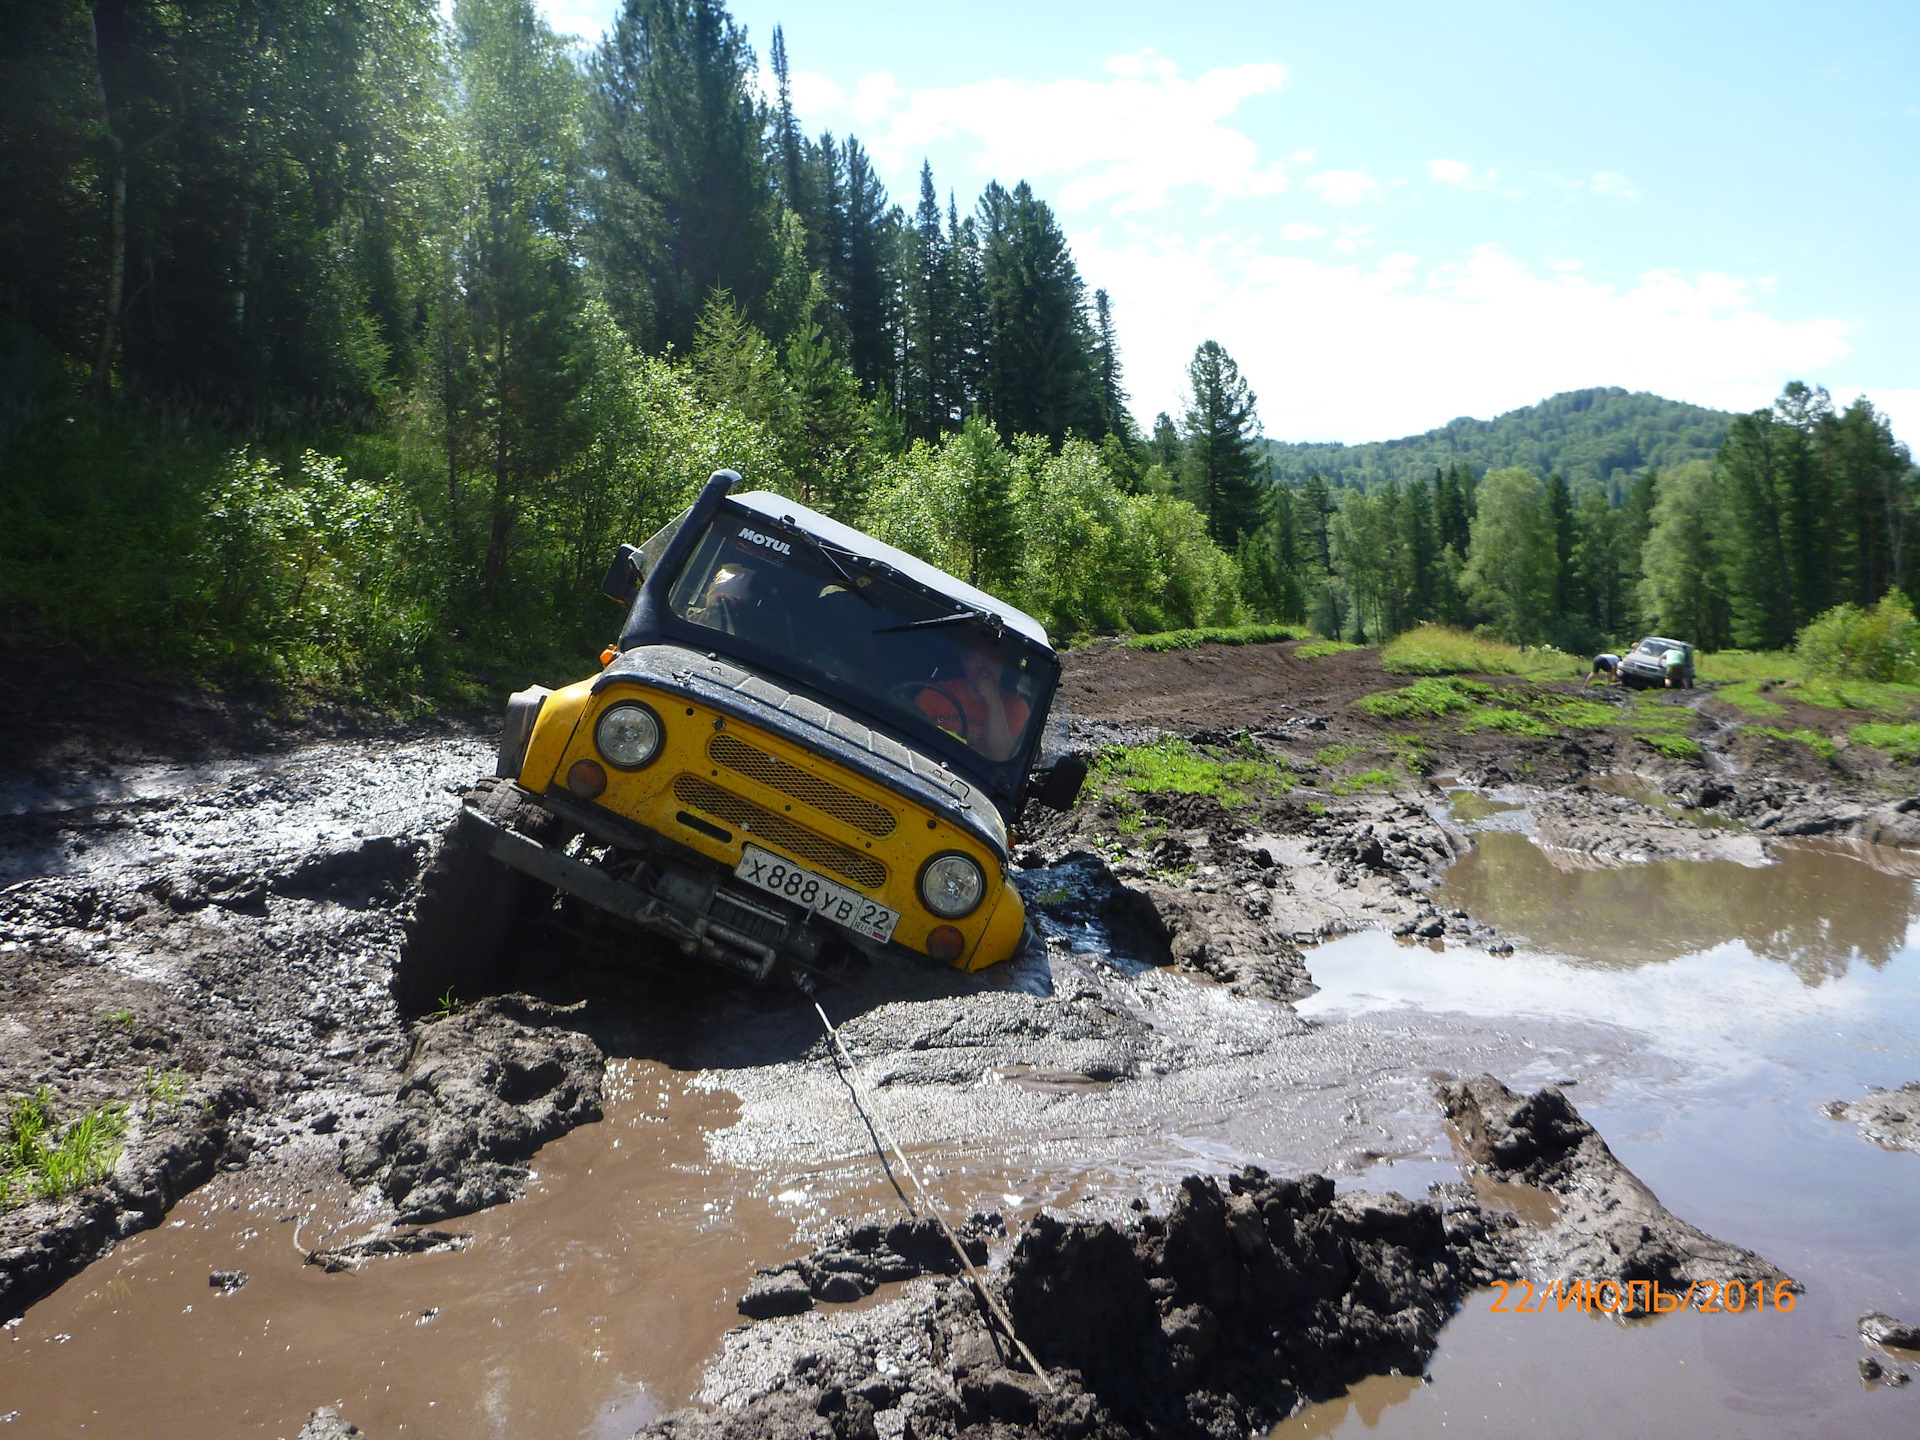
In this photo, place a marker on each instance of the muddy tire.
(472, 909)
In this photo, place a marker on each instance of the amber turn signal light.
(587, 778)
(606, 655)
(945, 944)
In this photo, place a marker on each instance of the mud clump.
(351, 1256)
(1215, 1321)
(1611, 1226)
(1889, 1118)
(482, 1090)
(863, 1260)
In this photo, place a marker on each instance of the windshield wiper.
(991, 621)
(832, 558)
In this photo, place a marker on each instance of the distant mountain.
(1602, 435)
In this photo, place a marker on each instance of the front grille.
(777, 830)
(822, 795)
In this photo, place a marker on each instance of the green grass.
(1871, 695)
(1508, 722)
(1178, 767)
(1674, 747)
(1314, 807)
(1819, 744)
(1424, 699)
(1576, 714)
(1438, 650)
(1217, 635)
(1901, 742)
(39, 1159)
(1744, 695)
(1314, 649)
(121, 1019)
(1725, 667)
(1336, 755)
(163, 1088)
(1365, 780)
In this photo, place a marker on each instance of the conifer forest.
(341, 343)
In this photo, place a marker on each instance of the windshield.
(924, 662)
(1653, 647)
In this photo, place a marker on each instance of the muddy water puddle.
(1761, 993)
(587, 1309)
(584, 1309)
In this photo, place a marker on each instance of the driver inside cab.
(726, 599)
(978, 705)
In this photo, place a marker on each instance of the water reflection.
(1817, 909)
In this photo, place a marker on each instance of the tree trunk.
(117, 222)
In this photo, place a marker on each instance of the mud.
(1889, 1118)
(221, 917)
(1250, 1297)
(1610, 1226)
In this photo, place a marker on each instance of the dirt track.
(203, 930)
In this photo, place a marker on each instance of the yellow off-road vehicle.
(807, 748)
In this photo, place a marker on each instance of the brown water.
(1767, 991)
(583, 1310)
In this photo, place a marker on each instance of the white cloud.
(1350, 351)
(1610, 183)
(1127, 139)
(873, 96)
(1344, 187)
(1458, 172)
(1299, 231)
(1901, 407)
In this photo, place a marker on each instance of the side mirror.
(1062, 785)
(624, 575)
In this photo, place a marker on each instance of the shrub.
(1848, 643)
(1257, 634)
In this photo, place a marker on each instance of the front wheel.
(471, 908)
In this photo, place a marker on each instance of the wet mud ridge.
(1251, 1296)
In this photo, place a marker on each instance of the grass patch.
(39, 1159)
(1365, 780)
(1818, 743)
(1744, 695)
(1333, 755)
(1508, 722)
(1878, 696)
(1438, 650)
(1578, 714)
(163, 1088)
(1674, 747)
(1217, 635)
(1314, 807)
(121, 1019)
(1901, 742)
(1424, 699)
(1177, 767)
(1726, 667)
(1314, 649)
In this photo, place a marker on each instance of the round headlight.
(628, 735)
(951, 886)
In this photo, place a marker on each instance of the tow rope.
(843, 1062)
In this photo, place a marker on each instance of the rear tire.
(472, 908)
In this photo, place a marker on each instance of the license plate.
(819, 894)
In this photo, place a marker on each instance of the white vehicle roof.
(845, 537)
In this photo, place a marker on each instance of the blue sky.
(1394, 214)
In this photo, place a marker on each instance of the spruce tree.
(684, 201)
(1220, 443)
(1040, 372)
